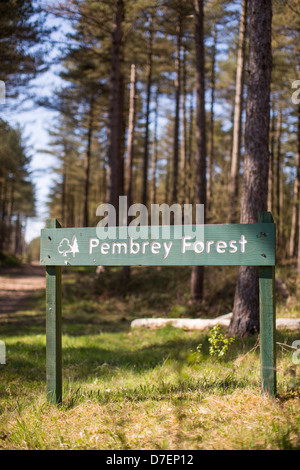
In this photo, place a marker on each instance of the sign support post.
(53, 328)
(267, 312)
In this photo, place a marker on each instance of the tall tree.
(237, 125)
(197, 277)
(87, 162)
(178, 90)
(154, 152)
(245, 319)
(271, 163)
(148, 101)
(295, 209)
(211, 118)
(116, 97)
(131, 131)
(279, 194)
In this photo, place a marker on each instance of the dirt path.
(17, 284)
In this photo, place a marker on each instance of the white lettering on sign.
(145, 247)
(243, 242)
(233, 246)
(119, 247)
(104, 248)
(92, 244)
(220, 245)
(167, 248)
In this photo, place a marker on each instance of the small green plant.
(195, 356)
(218, 343)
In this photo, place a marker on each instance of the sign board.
(206, 245)
(230, 245)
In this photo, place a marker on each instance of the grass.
(142, 389)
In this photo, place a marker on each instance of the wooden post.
(267, 302)
(53, 327)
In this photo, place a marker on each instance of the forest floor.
(140, 389)
(17, 284)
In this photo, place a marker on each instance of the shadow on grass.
(83, 362)
(176, 392)
(118, 351)
(104, 359)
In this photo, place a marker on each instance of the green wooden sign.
(241, 244)
(209, 245)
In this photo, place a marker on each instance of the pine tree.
(22, 33)
(255, 179)
(238, 109)
(197, 277)
(131, 133)
(296, 196)
(116, 106)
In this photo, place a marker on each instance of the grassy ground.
(144, 389)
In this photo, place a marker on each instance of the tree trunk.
(278, 182)
(17, 235)
(211, 121)
(189, 172)
(295, 214)
(131, 129)
(63, 196)
(237, 126)
(87, 165)
(72, 217)
(3, 217)
(154, 153)
(168, 183)
(245, 319)
(115, 127)
(177, 109)
(183, 157)
(10, 206)
(298, 256)
(148, 100)
(271, 166)
(130, 147)
(197, 277)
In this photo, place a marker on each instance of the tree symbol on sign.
(66, 247)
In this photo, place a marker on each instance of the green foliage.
(195, 356)
(219, 344)
(21, 30)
